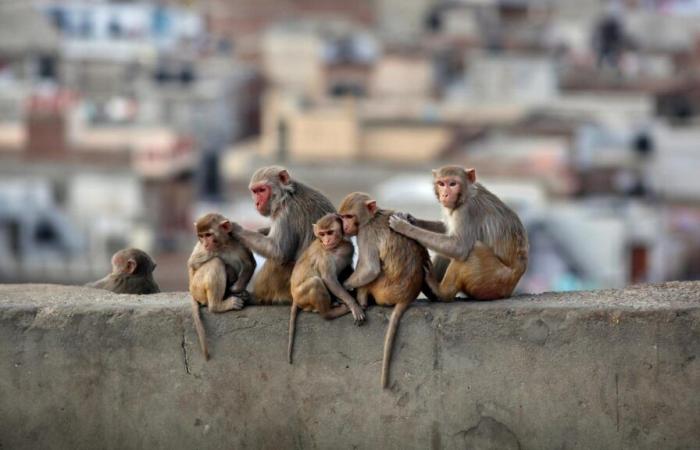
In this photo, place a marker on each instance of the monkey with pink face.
(293, 208)
(481, 240)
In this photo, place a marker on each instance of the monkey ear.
(435, 173)
(371, 206)
(315, 227)
(471, 175)
(284, 177)
(130, 266)
(226, 225)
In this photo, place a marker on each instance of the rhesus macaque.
(218, 266)
(483, 239)
(390, 267)
(292, 207)
(315, 278)
(132, 273)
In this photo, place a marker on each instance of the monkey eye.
(453, 184)
(440, 183)
(330, 233)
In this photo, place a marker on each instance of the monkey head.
(267, 185)
(132, 261)
(329, 230)
(213, 230)
(356, 210)
(451, 184)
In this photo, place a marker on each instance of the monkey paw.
(405, 216)
(398, 223)
(359, 316)
(242, 294)
(238, 303)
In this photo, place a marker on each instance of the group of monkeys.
(480, 246)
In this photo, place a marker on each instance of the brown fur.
(293, 208)
(213, 274)
(315, 279)
(132, 273)
(484, 240)
(390, 267)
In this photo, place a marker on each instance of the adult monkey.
(484, 240)
(292, 208)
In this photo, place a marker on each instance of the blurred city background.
(122, 121)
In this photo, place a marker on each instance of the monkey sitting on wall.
(390, 267)
(132, 273)
(481, 241)
(219, 265)
(316, 274)
(292, 208)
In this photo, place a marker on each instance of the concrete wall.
(81, 368)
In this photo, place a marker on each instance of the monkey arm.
(261, 244)
(435, 226)
(337, 290)
(454, 247)
(431, 225)
(368, 268)
(244, 276)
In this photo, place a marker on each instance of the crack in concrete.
(185, 357)
(617, 401)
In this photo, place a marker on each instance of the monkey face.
(329, 237)
(261, 196)
(350, 224)
(448, 191)
(209, 240)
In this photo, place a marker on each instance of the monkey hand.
(242, 294)
(405, 216)
(238, 302)
(359, 315)
(398, 223)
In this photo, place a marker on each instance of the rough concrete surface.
(87, 369)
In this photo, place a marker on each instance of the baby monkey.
(132, 273)
(219, 265)
(315, 276)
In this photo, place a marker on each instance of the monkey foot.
(237, 303)
(359, 317)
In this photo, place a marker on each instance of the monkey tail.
(292, 330)
(399, 309)
(199, 326)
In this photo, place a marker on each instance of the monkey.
(315, 277)
(481, 239)
(390, 267)
(292, 207)
(218, 266)
(132, 273)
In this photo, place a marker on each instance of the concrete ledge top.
(666, 296)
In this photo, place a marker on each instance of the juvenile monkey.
(132, 273)
(218, 265)
(484, 240)
(292, 207)
(390, 267)
(315, 278)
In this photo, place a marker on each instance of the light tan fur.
(390, 266)
(316, 277)
(217, 272)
